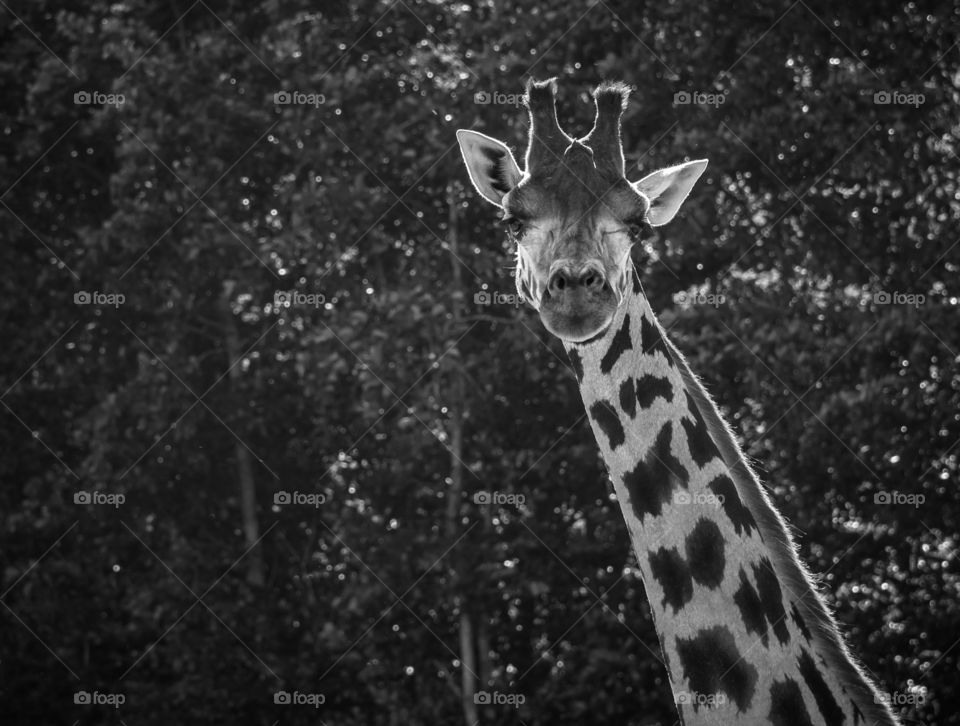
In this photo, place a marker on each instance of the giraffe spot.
(712, 663)
(608, 421)
(768, 587)
(621, 343)
(801, 623)
(701, 445)
(651, 341)
(653, 479)
(858, 716)
(726, 491)
(577, 362)
(705, 553)
(650, 386)
(628, 398)
(671, 571)
(751, 609)
(786, 705)
(829, 708)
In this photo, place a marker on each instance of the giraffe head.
(572, 212)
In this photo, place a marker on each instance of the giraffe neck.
(744, 635)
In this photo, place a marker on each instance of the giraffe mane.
(800, 583)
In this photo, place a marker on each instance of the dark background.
(399, 398)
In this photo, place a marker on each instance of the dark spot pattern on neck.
(649, 387)
(607, 419)
(829, 708)
(726, 492)
(712, 663)
(653, 480)
(651, 342)
(628, 398)
(702, 447)
(771, 596)
(801, 623)
(786, 705)
(621, 343)
(706, 553)
(671, 571)
(751, 609)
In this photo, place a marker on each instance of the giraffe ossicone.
(745, 636)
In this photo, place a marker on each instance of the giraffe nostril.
(558, 282)
(588, 277)
(592, 279)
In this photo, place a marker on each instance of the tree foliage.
(391, 398)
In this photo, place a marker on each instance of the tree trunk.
(457, 402)
(248, 491)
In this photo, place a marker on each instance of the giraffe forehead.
(563, 194)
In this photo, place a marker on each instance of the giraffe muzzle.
(578, 302)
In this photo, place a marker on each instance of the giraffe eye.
(635, 230)
(514, 227)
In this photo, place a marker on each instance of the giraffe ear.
(491, 166)
(666, 189)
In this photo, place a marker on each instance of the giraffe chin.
(581, 326)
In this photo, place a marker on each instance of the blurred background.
(278, 446)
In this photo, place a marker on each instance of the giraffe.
(745, 636)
